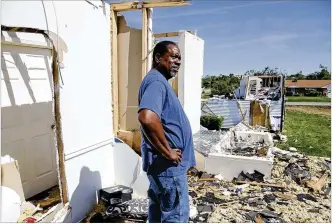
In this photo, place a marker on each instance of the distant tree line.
(323, 74)
(225, 84)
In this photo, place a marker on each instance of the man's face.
(170, 61)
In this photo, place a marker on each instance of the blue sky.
(242, 35)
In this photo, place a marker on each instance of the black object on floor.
(116, 194)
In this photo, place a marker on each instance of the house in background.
(300, 86)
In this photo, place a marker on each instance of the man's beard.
(173, 75)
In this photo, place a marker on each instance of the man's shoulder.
(153, 76)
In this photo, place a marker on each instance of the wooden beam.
(58, 125)
(149, 38)
(129, 6)
(144, 42)
(114, 70)
(169, 34)
(165, 4)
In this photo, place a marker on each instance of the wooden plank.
(114, 73)
(144, 42)
(259, 114)
(149, 38)
(60, 144)
(126, 6)
(165, 4)
(129, 6)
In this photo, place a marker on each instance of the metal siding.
(275, 108)
(229, 110)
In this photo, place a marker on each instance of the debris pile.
(267, 93)
(298, 191)
(240, 140)
(43, 207)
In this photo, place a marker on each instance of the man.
(167, 144)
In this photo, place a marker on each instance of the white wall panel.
(190, 74)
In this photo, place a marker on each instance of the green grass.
(309, 133)
(308, 99)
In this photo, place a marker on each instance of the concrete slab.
(230, 166)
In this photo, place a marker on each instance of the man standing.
(167, 144)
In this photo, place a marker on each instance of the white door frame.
(56, 99)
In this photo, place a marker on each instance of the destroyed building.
(78, 135)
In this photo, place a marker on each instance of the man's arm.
(153, 130)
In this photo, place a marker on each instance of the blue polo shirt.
(157, 95)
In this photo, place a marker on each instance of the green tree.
(323, 74)
(298, 76)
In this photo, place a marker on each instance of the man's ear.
(157, 58)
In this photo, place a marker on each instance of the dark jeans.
(168, 199)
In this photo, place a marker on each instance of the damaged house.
(69, 123)
(69, 101)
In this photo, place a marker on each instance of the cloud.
(221, 10)
(266, 39)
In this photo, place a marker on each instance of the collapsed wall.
(228, 153)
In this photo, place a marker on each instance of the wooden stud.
(114, 75)
(144, 42)
(149, 39)
(60, 144)
(130, 6)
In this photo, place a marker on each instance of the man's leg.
(154, 211)
(184, 205)
(168, 199)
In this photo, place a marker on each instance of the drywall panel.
(132, 174)
(87, 173)
(230, 166)
(86, 90)
(190, 74)
(15, 13)
(82, 40)
(129, 68)
(85, 100)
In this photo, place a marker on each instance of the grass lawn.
(308, 99)
(308, 132)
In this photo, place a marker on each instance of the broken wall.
(129, 70)
(85, 93)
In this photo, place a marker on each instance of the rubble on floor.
(39, 207)
(299, 190)
(241, 140)
(242, 144)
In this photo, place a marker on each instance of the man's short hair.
(161, 48)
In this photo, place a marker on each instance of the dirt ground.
(311, 109)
